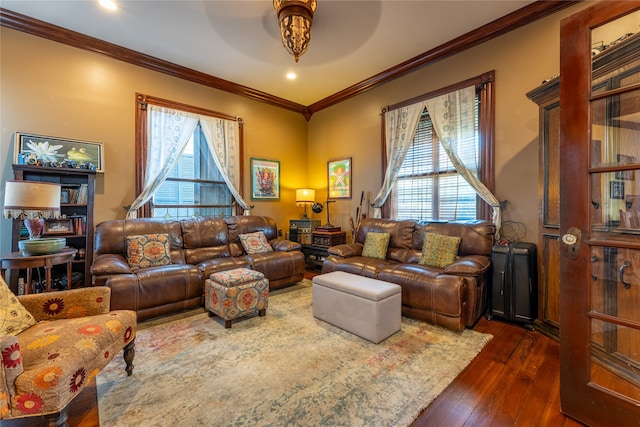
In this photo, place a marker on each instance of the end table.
(17, 261)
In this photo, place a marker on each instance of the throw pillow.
(375, 245)
(14, 318)
(255, 243)
(148, 250)
(439, 250)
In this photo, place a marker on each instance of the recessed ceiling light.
(108, 4)
(291, 75)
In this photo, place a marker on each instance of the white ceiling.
(239, 40)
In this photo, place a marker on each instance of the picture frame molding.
(95, 149)
(332, 191)
(254, 167)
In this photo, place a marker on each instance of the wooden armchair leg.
(58, 420)
(128, 354)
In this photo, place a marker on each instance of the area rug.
(285, 369)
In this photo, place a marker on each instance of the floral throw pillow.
(255, 243)
(148, 250)
(375, 245)
(14, 318)
(439, 250)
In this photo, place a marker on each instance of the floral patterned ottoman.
(235, 293)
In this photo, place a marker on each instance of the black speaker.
(293, 233)
(514, 285)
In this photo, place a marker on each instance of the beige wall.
(522, 59)
(52, 89)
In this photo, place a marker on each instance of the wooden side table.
(17, 261)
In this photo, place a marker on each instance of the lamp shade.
(31, 199)
(305, 195)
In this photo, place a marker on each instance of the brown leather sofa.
(198, 247)
(454, 296)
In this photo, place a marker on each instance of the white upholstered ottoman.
(365, 307)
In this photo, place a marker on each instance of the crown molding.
(519, 18)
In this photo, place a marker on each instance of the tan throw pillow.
(255, 243)
(439, 250)
(14, 318)
(148, 250)
(375, 245)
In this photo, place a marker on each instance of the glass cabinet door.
(600, 214)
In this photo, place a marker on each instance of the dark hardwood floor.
(514, 381)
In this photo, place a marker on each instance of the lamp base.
(35, 226)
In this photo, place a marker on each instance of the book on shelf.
(78, 194)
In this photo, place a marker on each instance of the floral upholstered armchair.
(53, 344)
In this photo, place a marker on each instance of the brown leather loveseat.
(198, 247)
(453, 296)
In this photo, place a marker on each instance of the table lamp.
(305, 195)
(34, 202)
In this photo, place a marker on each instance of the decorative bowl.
(42, 246)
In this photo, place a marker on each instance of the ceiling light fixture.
(108, 4)
(295, 17)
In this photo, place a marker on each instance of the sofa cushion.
(148, 250)
(255, 243)
(439, 250)
(14, 318)
(375, 245)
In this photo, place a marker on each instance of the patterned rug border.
(169, 364)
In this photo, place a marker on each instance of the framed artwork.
(65, 196)
(616, 190)
(50, 151)
(265, 179)
(624, 160)
(58, 226)
(339, 176)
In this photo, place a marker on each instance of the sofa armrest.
(282, 245)
(106, 264)
(346, 250)
(68, 304)
(470, 265)
(9, 370)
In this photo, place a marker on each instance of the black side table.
(314, 256)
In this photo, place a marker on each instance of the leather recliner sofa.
(454, 296)
(198, 247)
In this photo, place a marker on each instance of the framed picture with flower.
(339, 176)
(265, 179)
(50, 151)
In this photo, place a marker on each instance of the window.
(177, 175)
(428, 187)
(194, 187)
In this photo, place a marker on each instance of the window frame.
(142, 101)
(485, 87)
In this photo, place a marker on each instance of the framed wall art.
(58, 226)
(616, 190)
(265, 179)
(624, 160)
(339, 176)
(51, 151)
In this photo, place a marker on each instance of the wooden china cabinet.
(547, 97)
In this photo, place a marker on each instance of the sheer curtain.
(453, 117)
(400, 125)
(222, 138)
(169, 131)
(168, 134)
